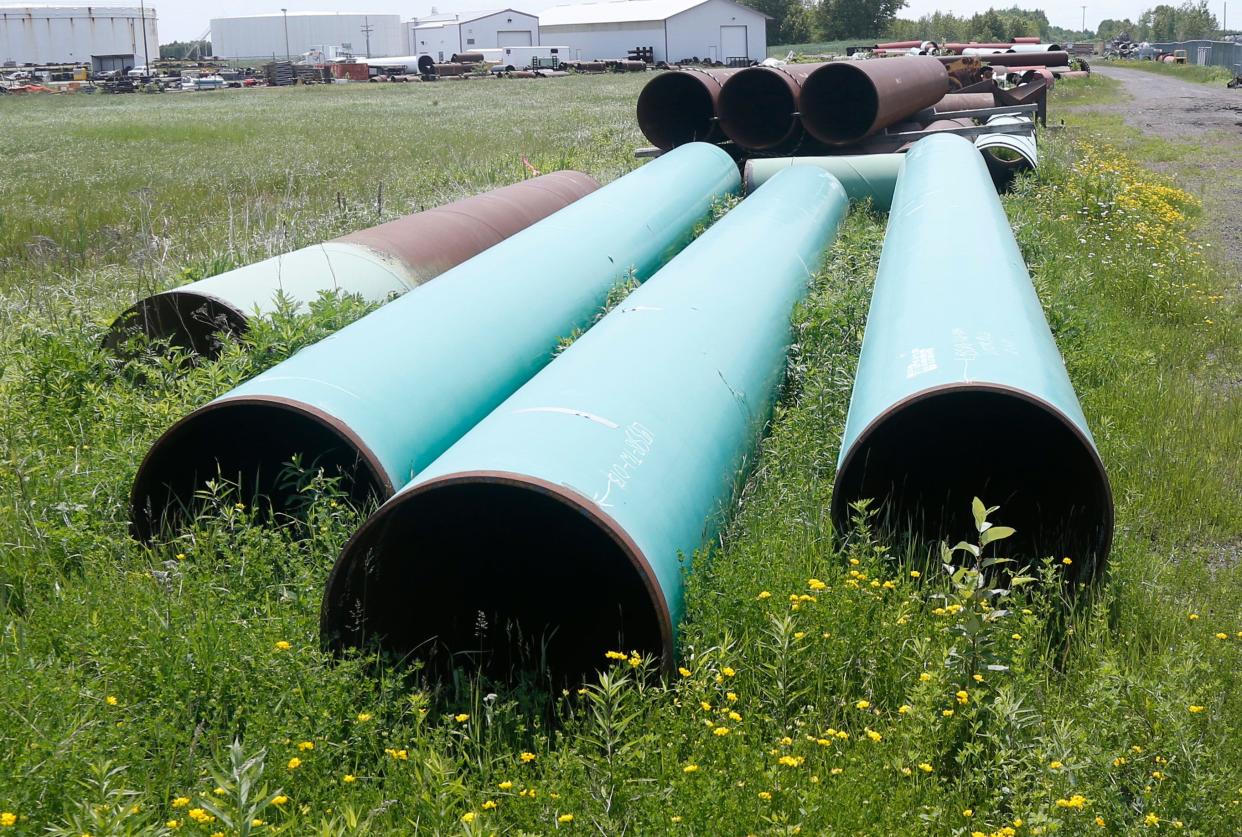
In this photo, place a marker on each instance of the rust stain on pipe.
(1059, 58)
(679, 106)
(843, 102)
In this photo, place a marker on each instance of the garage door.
(732, 42)
(513, 37)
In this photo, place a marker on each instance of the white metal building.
(109, 38)
(442, 36)
(263, 36)
(719, 30)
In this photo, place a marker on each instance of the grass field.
(180, 689)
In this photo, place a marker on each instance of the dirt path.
(1210, 118)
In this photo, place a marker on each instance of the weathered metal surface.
(375, 264)
(1019, 59)
(1008, 155)
(844, 102)
(758, 107)
(379, 400)
(965, 101)
(960, 390)
(563, 518)
(679, 106)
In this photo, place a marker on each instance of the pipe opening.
(196, 323)
(758, 109)
(249, 443)
(925, 458)
(676, 108)
(498, 573)
(840, 104)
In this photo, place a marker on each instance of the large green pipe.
(375, 263)
(864, 176)
(382, 398)
(960, 390)
(564, 517)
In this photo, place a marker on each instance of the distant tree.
(178, 50)
(836, 19)
(789, 23)
(1195, 20)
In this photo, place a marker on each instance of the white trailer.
(521, 57)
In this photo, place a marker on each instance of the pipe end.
(497, 572)
(195, 322)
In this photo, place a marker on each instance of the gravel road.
(1210, 116)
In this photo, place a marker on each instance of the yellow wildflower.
(765, 595)
(903, 709)
(527, 758)
(764, 795)
(690, 768)
(720, 731)
(816, 584)
(925, 767)
(1066, 561)
(727, 672)
(963, 697)
(173, 823)
(280, 799)
(862, 704)
(181, 802)
(707, 707)
(1100, 822)
(1150, 820)
(565, 819)
(8, 819)
(488, 805)
(349, 778)
(363, 717)
(948, 713)
(1194, 708)
(854, 562)
(461, 718)
(731, 696)
(978, 678)
(676, 819)
(1077, 801)
(111, 700)
(1015, 636)
(306, 745)
(616, 655)
(283, 646)
(1055, 765)
(294, 763)
(505, 785)
(733, 716)
(683, 671)
(968, 813)
(468, 817)
(200, 816)
(1192, 616)
(874, 736)
(925, 677)
(1222, 635)
(257, 823)
(399, 755)
(792, 761)
(915, 574)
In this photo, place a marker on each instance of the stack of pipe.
(562, 521)
(1039, 59)
(374, 263)
(378, 401)
(679, 106)
(960, 390)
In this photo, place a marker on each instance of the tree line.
(809, 21)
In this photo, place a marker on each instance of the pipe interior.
(757, 109)
(839, 103)
(675, 109)
(496, 577)
(924, 461)
(250, 445)
(193, 322)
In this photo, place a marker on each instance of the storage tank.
(104, 37)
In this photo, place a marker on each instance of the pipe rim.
(144, 527)
(751, 126)
(331, 628)
(678, 107)
(196, 335)
(840, 506)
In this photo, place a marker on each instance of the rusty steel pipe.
(758, 107)
(965, 101)
(679, 106)
(468, 58)
(446, 70)
(374, 263)
(1029, 40)
(843, 102)
(1058, 58)
(899, 45)
(957, 48)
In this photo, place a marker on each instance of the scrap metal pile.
(849, 108)
(531, 495)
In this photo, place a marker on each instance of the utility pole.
(288, 54)
(1084, 21)
(366, 30)
(146, 56)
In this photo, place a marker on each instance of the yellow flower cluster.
(1077, 802)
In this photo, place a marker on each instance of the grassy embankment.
(1187, 72)
(127, 673)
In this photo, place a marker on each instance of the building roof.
(311, 14)
(618, 11)
(465, 17)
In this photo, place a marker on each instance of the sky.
(182, 20)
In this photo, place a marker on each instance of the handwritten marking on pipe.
(637, 444)
(569, 411)
(921, 362)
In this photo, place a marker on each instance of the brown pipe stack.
(965, 101)
(679, 106)
(1017, 59)
(843, 102)
(758, 107)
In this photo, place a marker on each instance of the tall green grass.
(180, 688)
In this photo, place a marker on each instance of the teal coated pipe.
(564, 516)
(864, 176)
(378, 401)
(960, 390)
(376, 264)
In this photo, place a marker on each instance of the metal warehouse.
(440, 36)
(108, 38)
(295, 33)
(717, 30)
